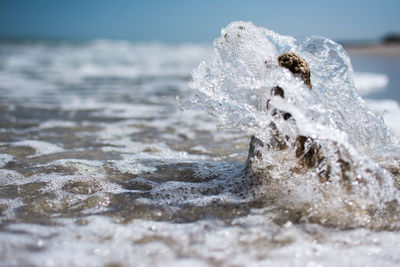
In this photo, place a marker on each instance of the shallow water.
(100, 167)
(388, 66)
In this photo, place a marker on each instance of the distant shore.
(392, 50)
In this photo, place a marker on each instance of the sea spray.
(359, 155)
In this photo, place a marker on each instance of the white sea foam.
(41, 147)
(55, 123)
(9, 176)
(4, 159)
(367, 83)
(147, 243)
(81, 166)
(389, 110)
(131, 166)
(69, 64)
(112, 131)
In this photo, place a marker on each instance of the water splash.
(358, 155)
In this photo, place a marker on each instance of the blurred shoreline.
(388, 46)
(392, 50)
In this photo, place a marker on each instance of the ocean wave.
(39, 70)
(351, 176)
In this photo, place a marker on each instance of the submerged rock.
(307, 151)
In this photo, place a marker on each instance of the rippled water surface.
(98, 166)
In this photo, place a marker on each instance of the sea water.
(100, 167)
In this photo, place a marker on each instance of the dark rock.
(306, 151)
(391, 39)
(297, 65)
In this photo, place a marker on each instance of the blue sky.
(195, 21)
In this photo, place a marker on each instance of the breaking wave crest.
(351, 178)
